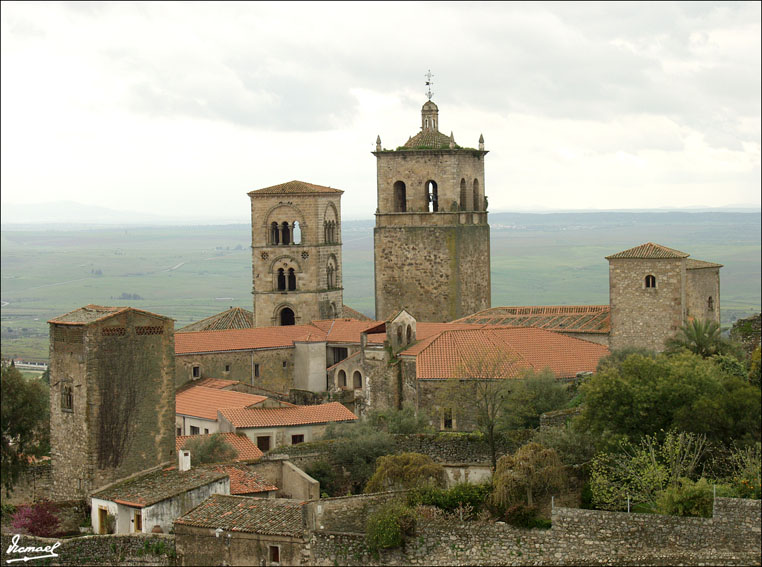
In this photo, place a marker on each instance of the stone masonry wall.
(701, 284)
(349, 513)
(273, 375)
(578, 537)
(645, 317)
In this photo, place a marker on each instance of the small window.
(196, 371)
(67, 398)
(194, 430)
(274, 555)
(342, 379)
(179, 431)
(263, 443)
(650, 281)
(206, 431)
(227, 368)
(256, 371)
(447, 418)
(710, 304)
(285, 363)
(138, 521)
(296, 439)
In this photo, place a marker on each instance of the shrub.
(406, 470)
(387, 527)
(39, 520)
(210, 449)
(688, 498)
(325, 473)
(462, 494)
(523, 516)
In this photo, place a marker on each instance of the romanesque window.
(287, 317)
(432, 196)
(285, 233)
(67, 398)
(463, 204)
(274, 234)
(330, 273)
(342, 379)
(477, 201)
(291, 279)
(409, 334)
(297, 233)
(400, 197)
(281, 279)
(650, 281)
(357, 380)
(710, 304)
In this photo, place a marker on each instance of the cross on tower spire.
(429, 82)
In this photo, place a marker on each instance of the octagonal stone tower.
(431, 238)
(296, 253)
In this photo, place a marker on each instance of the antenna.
(429, 82)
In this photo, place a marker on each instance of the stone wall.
(135, 549)
(747, 332)
(558, 418)
(349, 513)
(578, 537)
(34, 484)
(645, 317)
(701, 285)
(273, 374)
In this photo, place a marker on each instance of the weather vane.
(429, 82)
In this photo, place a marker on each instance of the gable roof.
(148, 489)
(294, 187)
(286, 416)
(203, 402)
(457, 353)
(268, 516)
(649, 250)
(243, 480)
(247, 450)
(563, 318)
(244, 339)
(92, 313)
(233, 318)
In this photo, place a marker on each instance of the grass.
(189, 273)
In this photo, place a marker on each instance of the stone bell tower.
(296, 254)
(431, 238)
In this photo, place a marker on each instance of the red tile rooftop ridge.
(649, 250)
(293, 187)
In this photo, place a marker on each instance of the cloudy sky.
(181, 108)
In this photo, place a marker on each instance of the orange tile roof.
(247, 450)
(293, 187)
(280, 417)
(564, 318)
(243, 480)
(203, 402)
(651, 251)
(455, 353)
(245, 339)
(343, 330)
(217, 383)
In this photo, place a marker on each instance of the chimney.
(185, 460)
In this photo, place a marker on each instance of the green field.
(189, 273)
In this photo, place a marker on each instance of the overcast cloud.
(181, 108)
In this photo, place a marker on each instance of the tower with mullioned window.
(296, 253)
(431, 239)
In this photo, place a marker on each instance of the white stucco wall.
(184, 422)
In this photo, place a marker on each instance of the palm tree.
(699, 336)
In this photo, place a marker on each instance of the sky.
(180, 109)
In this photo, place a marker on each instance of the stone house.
(244, 481)
(234, 530)
(196, 408)
(287, 425)
(155, 498)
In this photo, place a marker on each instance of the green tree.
(650, 395)
(355, 449)
(25, 418)
(532, 395)
(210, 449)
(396, 422)
(405, 470)
(389, 525)
(700, 336)
(755, 368)
(531, 471)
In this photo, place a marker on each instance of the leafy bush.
(387, 527)
(404, 421)
(531, 471)
(523, 516)
(406, 470)
(325, 473)
(355, 449)
(210, 449)
(688, 498)
(462, 494)
(39, 520)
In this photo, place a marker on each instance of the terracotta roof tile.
(451, 354)
(651, 251)
(691, 264)
(243, 480)
(203, 402)
(217, 383)
(344, 330)
(285, 416)
(292, 187)
(268, 516)
(156, 486)
(245, 339)
(354, 314)
(565, 318)
(233, 318)
(430, 139)
(247, 450)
